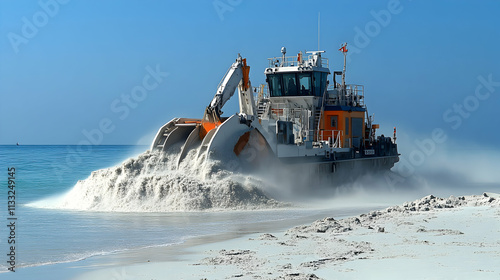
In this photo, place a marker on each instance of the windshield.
(274, 85)
(297, 84)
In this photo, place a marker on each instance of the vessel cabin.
(300, 95)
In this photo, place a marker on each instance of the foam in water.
(151, 182)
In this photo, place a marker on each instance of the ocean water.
(48, 233)
(45, 236)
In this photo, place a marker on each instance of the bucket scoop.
(216, 136)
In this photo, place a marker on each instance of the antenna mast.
(344, 50)
(319, 14)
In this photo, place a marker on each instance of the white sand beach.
(430, 238)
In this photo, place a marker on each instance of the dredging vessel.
(298, 117)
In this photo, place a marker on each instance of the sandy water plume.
(152, 182)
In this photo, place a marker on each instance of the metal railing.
(353, 94)
(293, 61)
(335, 137)
(260, 92)
(283, 111)
(356, 94)
(279, 110)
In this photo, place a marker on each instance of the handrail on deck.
(293, 61)
(335, 134)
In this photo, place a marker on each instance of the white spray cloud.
(448, 166)
(151, 182)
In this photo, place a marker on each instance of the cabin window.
(297, 84)
(319, 83)
(323, 82)
(346, 126)
(274, 85)
(357, 131)
(305, 84)
(333, 121)
(290, 84)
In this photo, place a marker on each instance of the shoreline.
(315, 247)
(175, 252)
(428, 238)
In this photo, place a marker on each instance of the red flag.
(343, 49)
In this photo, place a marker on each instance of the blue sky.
(67, 67)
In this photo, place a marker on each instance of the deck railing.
(293, 61)
(334, 137)
(353, 94)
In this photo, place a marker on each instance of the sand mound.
(372, 220)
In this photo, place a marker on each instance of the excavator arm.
(237, 75)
